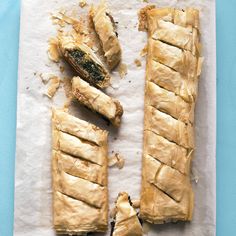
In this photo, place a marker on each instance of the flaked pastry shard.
(126, 222)
(172, 73)
(84, 61)
(79, 171)
(106, 30)
(97, 101)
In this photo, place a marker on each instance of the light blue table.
(226, 115)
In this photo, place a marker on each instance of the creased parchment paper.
(33, 211)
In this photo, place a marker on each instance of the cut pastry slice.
(167, 152)
(169, 103)
(84, 61)
(165, 209)
(79, 171)
(126, 219)
(79, 148)
(105, 27)
(172, 80)
(166, 178)
(173, 57)
(166, 126)
(174, 34)
(86, 131)
(172, 76)
(97, 101)
(80, 168)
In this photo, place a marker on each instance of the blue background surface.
(226, 114)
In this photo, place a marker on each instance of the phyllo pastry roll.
(105, 27)
(126, 221)
(79, 171)
(97, 101)
(84, 61)
(172, 76)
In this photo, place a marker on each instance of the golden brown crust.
(97, 101)
(173, 68)
(105, 28)
(79, 170)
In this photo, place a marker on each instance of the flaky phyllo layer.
(79, 167)
(172, 73)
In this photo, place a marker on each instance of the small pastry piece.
(97, 101)
(54, 84)
(169, 128)
(79, 171)
(105, 27)
(126, 219)
(172, 73)
(84, 61)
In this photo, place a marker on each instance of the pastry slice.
(97, 101)
(172, 80)
(158, 208)
(169, 128)
(174, 34)
(84, 61)
(181, 61)
(169, 103)
(167, 152)
(169, 180)
(104, 25)
(79, 171)
(126, 221)
(189, 17)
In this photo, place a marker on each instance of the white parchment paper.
(33, 212)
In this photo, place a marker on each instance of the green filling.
(83, 60)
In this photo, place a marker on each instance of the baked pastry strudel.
(172, 73)
(126, 221)
(79, 170)
(97, 101)
(84, 61)
(105, 27)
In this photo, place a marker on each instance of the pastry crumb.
(137, 62)
(117, 160)
(199, 66)
(62, 69)
(144, 51)
(54, 84)
(45, 77)
(53, 51)
(83, 3)
(67, 87)
(122, 70)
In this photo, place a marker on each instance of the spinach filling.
(86, 63)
